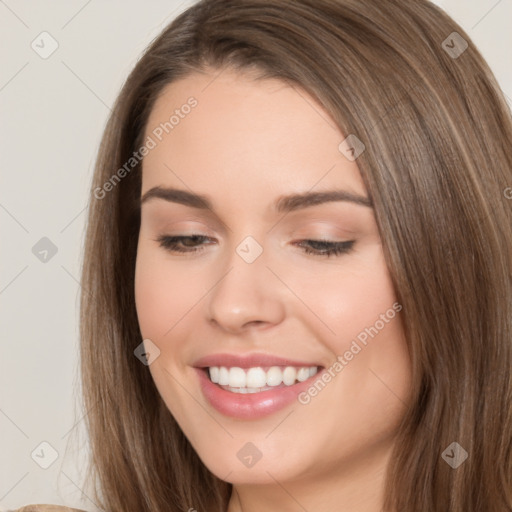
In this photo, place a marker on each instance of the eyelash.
(170, 243)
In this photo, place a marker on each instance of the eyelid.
(323, 229)
(330, 247)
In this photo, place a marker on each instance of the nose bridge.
(246, 292)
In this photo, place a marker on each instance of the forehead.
(247, 134)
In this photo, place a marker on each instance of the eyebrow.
(283, 204)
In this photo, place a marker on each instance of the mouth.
(250, 387)
(258, 379)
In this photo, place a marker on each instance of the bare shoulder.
(47, 508)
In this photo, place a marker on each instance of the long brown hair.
(437, 166)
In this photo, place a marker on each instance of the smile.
(252, 386)
(258, 379)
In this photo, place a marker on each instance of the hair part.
(438, 134)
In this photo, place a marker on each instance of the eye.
(326, 247)
(195, 243)
(189, 243)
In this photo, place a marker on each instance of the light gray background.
(52, 114)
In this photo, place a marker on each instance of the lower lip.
(250, 406)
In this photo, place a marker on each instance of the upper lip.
(249, 361)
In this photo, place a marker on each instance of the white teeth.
(254, 380)
(214, 374)
(290, 374)
(303, 374)
(243, 391)
(274, 376)
(223, 376)
(237, 378)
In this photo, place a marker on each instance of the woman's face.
(248, 293)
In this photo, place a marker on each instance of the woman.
(297, 284)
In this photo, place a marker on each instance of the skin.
(245, 144)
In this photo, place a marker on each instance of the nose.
(246, 296)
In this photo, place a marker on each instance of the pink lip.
(249, 361)
(251, 406)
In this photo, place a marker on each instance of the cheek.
(163, 297)
(353, 298)
(163, 293)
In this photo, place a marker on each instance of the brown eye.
(195, 243)
(180, 243)
(326, 247)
